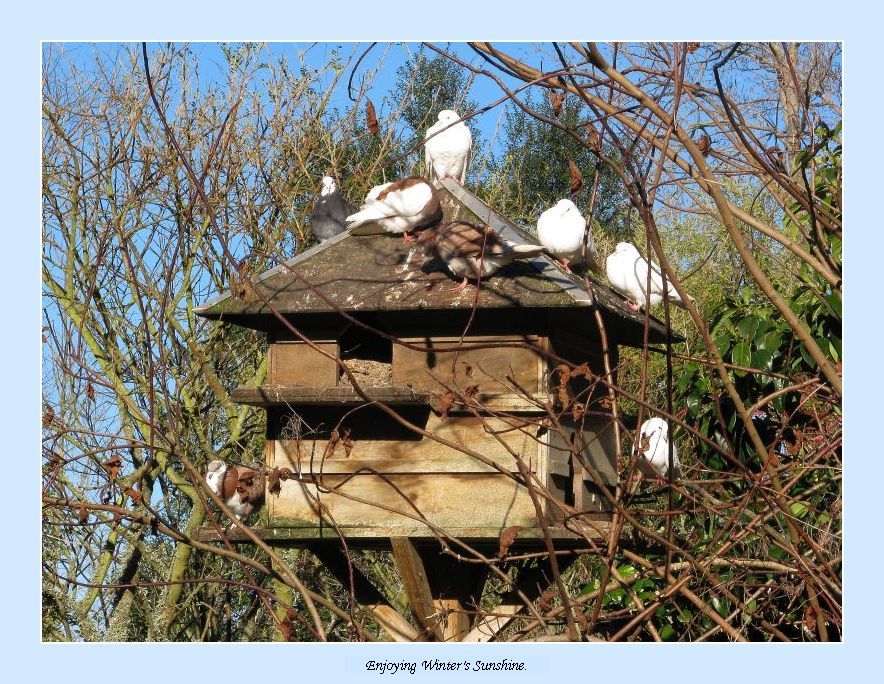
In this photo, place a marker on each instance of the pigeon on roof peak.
(447, 147)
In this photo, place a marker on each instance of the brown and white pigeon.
(654, 447)
(329, 215)
(627, 270)
(447, 147)
(241, 488)
(561, 231)
(471, 251)
(398, 207)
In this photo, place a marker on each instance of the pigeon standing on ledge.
(399, 207)
(654, 447)
(329, 215)
(242, 489)
(561, 230)
(447, 147)
(628, 272)
(471, 251)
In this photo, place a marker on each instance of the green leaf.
(742, 354)
(667, 633)
(798, 509)
(747, 327)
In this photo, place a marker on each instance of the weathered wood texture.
(494, 370)
(405, 504)
(417, 587)
(297, 363)
(295, 395)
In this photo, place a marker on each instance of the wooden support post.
(417, 586)
(440, 588)
(365, 593)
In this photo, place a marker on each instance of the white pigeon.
(654, 447)
(447, 152)
(242, 489)
(329, 215)
(463, 246)
(628, 272)
(561, 230)
(399, 207)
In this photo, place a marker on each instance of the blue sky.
(752, 19)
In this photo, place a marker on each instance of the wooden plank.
(296, 363)
(494, 438)
(417, 586)
(290, 395)
(396, 502)
(486, 368)
(304, 533)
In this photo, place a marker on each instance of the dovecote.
(460, 397)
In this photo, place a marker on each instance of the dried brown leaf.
(557, 99)
(576, 177)
(273, 482)
(444, 403)
(90, 391)
(347, 442)
(113, 465)
(544, 603)
(507, 538)
(82, 514)
(371, 119)
(577, 410)
(581, 370)
(704, 143)
(48, 415)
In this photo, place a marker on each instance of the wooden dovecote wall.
(461, 395)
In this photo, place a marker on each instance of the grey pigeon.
(329, 216)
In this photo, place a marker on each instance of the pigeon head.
(564, 206)
(448, 115)
(654, 426)
(328, 186)
(625, 248)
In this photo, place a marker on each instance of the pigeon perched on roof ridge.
(466, 247)
(329, 214)
(241, 488)
(447, 147)
(561, 229)
(399, 207)
(627, 270)
(654, 447)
